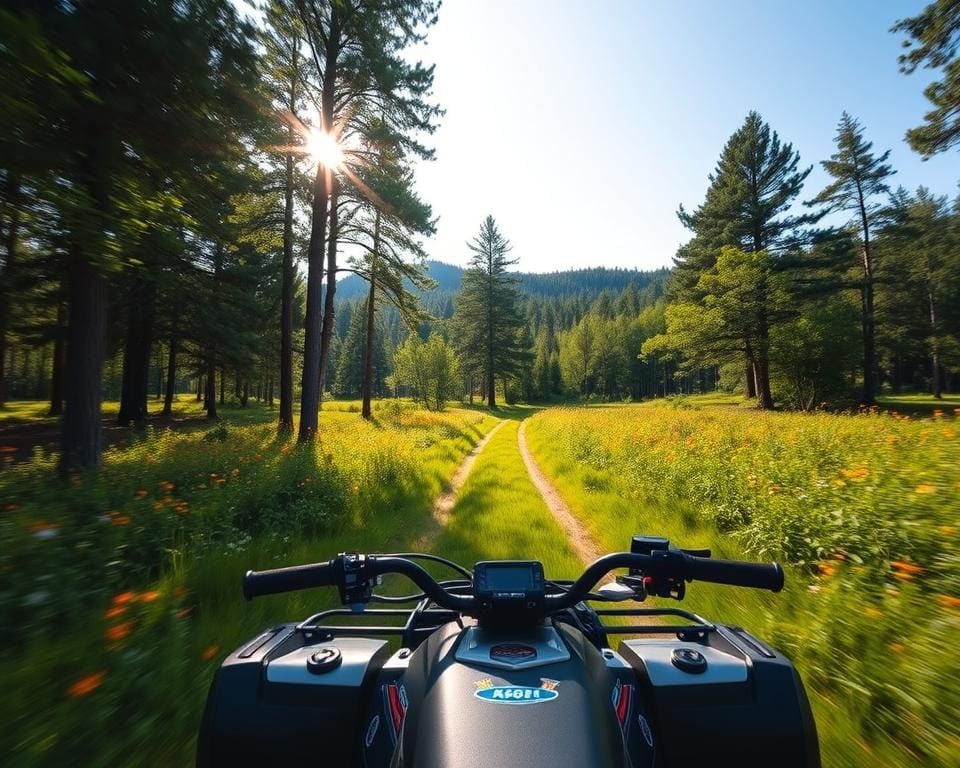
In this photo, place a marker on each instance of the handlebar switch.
(355, 586)
(647, 545)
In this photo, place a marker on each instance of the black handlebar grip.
(736, 573)
(272, 582)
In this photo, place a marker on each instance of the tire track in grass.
(446, 500)
(444, 503)
(580, 539)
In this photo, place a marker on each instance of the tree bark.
(136, 354)
(286, 293)
(322, 188)
(326, 336)
(9, 273)
(245, 394)
(81, 429)
(750, 377)
(59, 362)
(171, 374)
(223, 384)
(937, 381)
(210, 403)
(869, 330)
(367, 411)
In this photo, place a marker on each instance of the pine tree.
(859, 177)
(487, 313)
(934, 37)
(755, 183)
(359, 51)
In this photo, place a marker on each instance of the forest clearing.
(285, 282)
(855, 505)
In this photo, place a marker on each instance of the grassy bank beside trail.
(867, 508)
(119, 593)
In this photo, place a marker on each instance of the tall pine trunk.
(59, 361)
(136, 354)
(286, 292)
(322, 187)
(937, 380)
(869, 330)
(9, 273)
(171, 374)
(81, 429)
(367, 411)
(210, 395)
(326, 336)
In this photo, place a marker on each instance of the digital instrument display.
(509, 581)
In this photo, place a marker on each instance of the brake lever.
(697, 552)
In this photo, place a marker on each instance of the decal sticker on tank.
(645, 729)
(372, 731)
(517, 694)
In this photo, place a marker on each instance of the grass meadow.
(864, 509)
(120, 592)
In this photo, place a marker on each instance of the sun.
(323, 148)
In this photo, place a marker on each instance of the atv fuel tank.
(467, 714)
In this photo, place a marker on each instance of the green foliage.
(933, 37)
(138, 569)
(429, 369)
(864, 506)
(487, 314)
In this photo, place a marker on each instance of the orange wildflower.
(925, 488)
(826, 569)
(121, 520)
(897, 647)
(949, 601)
(180, 591)
(236, 472)
(211, 652)
(947, 530)
(900, 565)
(184, 612)
(872, 612)
(855, 474)
(167, 485)
(85, 685)
(120, 631)
(256, 457)
(182, 508)
(124, 597)
(141, 494)
(11, 507)
(11, 449)
(115, 612)
(149, 597)
(937, 413)
(221, 480)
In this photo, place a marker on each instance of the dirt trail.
(581, 541)
(446, 500)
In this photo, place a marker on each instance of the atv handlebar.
(352, 574)
(277, 580)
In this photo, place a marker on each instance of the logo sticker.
(513, 653)
(372, 730)
(517, 694)
(645, 729)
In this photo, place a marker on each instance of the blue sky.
(582, 126)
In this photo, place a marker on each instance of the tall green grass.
(119, 592)
(870, 624)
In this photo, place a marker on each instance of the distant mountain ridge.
(573, 282)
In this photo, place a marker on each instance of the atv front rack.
(418, 623)
(697, 629)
